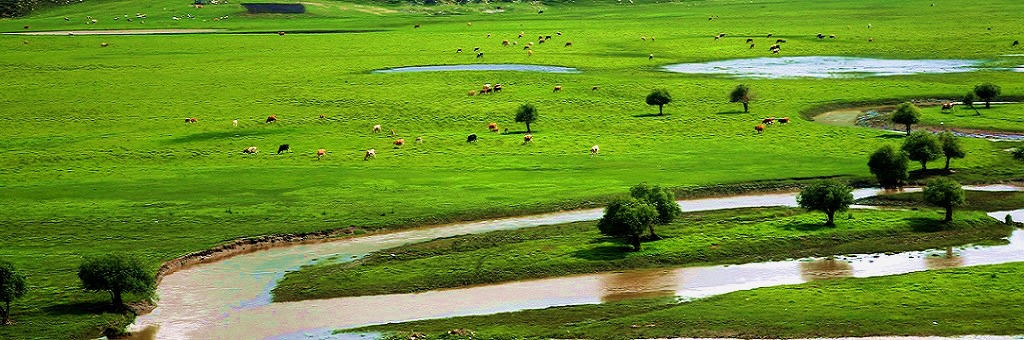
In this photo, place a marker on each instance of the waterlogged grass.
(97, 157)
(975, 300)
(1000, 117)
(733, 236)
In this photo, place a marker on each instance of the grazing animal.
(493, 127)
(458, 51)
(471, 138)
(529, 53)
(471, 93)
(546, 37)
(594, 88)
(784, 120)
(283, 148)
(1015, 43)
(768, 121)
(540, 12)
(871, 39)
(594, 150)
(558, 88)
(234, 122)
(322, 116)
(521, 35)
(643, 38)
(779, 41)
(759, 128)
(376, 128)
(371, 153)
(393, 133)
(252, 150)
(191, 120)
(821, 36)
(280, 33)
(25, 42)
(506, 131)
(769, 36)
(419, 140)
(320, 154)
(271, 118)
(559, 32)
(751, 47)
(504, 43)
(104, 44)
(469, 24)
(650, 57)
(568, 44)
(527, 139)
(417, 26)
(947, 106)
(527, 46)
(832, 36)
(399, 142)
(476, 49)
(480, 55)
(750, 40)
(497, 88)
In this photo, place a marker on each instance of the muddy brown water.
(230, 299)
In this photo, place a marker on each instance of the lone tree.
(889, 166)
(945, 193)
(969, 100)
(659, 97)
(922, 146)
(526, 114)
(951, 147)
(663, 200)
(117, 274)
(12, 287)
(987, 92)
(741, 94)
(627, 219)
(906, 114)
(828, 196)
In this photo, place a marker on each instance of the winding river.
(230, 299)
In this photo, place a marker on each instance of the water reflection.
(825, 269)
(639, 284)
(949, 259)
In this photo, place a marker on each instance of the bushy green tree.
(663, 200)
(659, 97)
(922, 146)
(741, 94)
(627, 219)
(828, 196)
(951, 147)
(969, 100)
(907, 114)
(116, 274)
(889, 166)
(987, 92)
(12, 287)
(945, 193)
(1018, 153)
(526, 114)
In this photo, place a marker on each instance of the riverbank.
(715, 237)
(960, 301)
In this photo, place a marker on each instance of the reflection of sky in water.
(482, 67)
(823, 67)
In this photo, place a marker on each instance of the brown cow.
(320, 153)
(527, 139)
(568, 44)
(399, 142)
(271, 118)
(558, 88)
(759, 128)
(504, 43)
(280, 33)
(784, 120)
(191, 120)
(768, 121)
(947, 106)
(493, 127)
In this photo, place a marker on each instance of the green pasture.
(1000, 117)
(97, 157)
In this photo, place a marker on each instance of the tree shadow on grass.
(927, 225)
(80, 308)
(733, 112)
(517, 132)
(648, 115)
(891, 136)
(807, 226)
(603, 253)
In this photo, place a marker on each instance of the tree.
(526, 114)
(663, 200)
(117, 274)
(906, 114)
(969, 100)
(741, 94)
(951, 147)
(659, 97)
(987, 92)
(1018, 153)
(889, 166)
(828, 196)
(922, 146)
(12, 287)
(945, 193)
(627, 219)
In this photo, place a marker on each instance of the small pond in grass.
(481, 67)
(824, 67)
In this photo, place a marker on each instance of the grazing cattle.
(527, 139)
(547, 37)
(371, 153)
(493, 127)
(559, 32)
(721, 35)
(643, 38)
(471, 93)
(458, 51)
(947, 106)
(486, 89)
(234, 122)
(750, 40)
(191, 120)
(392, 133)
(506, 131)
(521, 35)
(784, 120)
(322, 116)
(280, 33)
(252, 150)
(650, 56)
(480, 55)
(540, 12)
(417, 26)
(399, 142)
(469, 24)
(283, 148)
(25, 42)
(594, 88)
(527, 46)
(504, 43)
(488, 35)
(652, 38)
(271, 118)
(540, 41)
(1015, 43)
(769, 36)
(320, 154)
(568, 44)
(751, 47)
(377, 128)
(871, 39)
(594, 150)
(768, 121)
(471, 138)
(759, 128)
(779, 41)
(832, 36)
(529, 53)
(476, 49)
(104, 44)
(717, 37)
(558, 88)
(419, 140)
(497, 88)
(820, 36)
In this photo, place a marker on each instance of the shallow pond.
(824, 67)
(482, 67)
(228, 298)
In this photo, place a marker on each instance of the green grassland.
(1000, 117)
(975, 300)
(97, 157)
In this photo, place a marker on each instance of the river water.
(230, 299)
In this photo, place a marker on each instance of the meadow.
(97, 157)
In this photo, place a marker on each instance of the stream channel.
(230, 299)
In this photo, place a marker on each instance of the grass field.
(976, 300)
(97, 157)
(1000, 117)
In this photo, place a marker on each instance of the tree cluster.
(629, 218)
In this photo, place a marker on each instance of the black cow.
(471, 138)
(750, 40)
(1015, 43)
(480, 55)
(283, 148)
